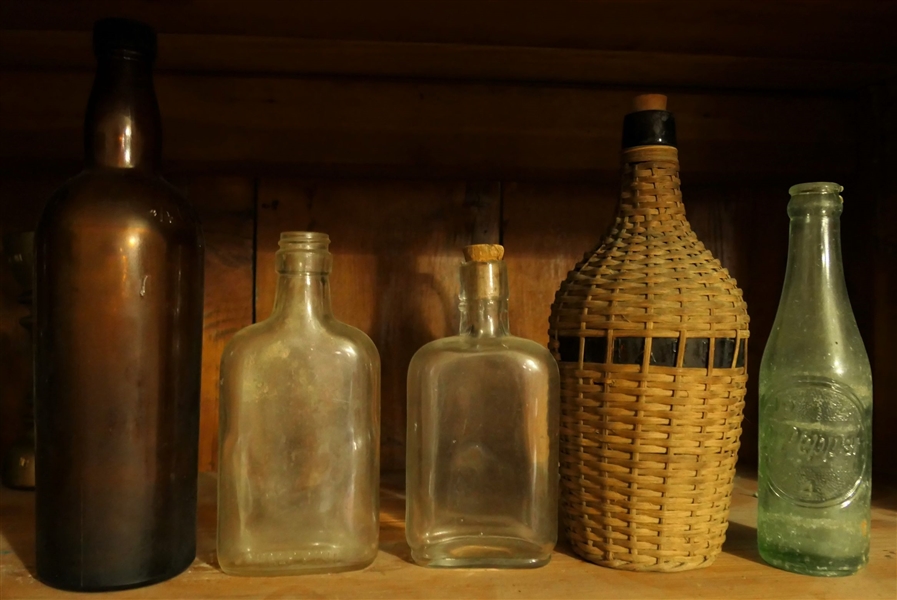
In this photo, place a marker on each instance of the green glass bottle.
(815, 405)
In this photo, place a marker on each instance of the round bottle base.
(815, 565)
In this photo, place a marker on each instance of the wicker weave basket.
(650, 333)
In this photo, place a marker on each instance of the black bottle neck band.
(649, 128)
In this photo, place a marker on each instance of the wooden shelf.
(737, 573)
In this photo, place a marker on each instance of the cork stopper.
(483, 252)
(649, 102)
(483, 275)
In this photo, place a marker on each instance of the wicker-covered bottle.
(650, 333)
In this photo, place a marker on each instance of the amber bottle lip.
(124, 38)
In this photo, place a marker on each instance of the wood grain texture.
(398, 128)
(21, 201)
(791, 28)
(547, 228)
(738, 574)
(397, 249)
(746, 228)
(226, 209)
(289, 56)
(877, 187)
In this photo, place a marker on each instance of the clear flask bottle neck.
(484, 299)
(303, 265)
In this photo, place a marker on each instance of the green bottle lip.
(816, 187)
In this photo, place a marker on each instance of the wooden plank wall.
(387, 128)
(406, 130)
(882, 270)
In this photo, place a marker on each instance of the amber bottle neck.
(122, 128)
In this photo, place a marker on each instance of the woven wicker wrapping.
(648, 447)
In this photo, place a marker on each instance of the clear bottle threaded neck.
(303, 252)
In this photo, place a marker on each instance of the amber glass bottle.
(118, 333)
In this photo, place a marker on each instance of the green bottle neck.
(815, 334)
(814, 278)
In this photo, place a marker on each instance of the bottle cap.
(124, 35)
(651, 124)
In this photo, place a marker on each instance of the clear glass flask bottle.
(298, 488)
(482, 464)
(815, 405)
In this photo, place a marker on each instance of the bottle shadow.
(564, 547)
(392, 541)
(392, 517)
(741, 541)
(207, 522)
